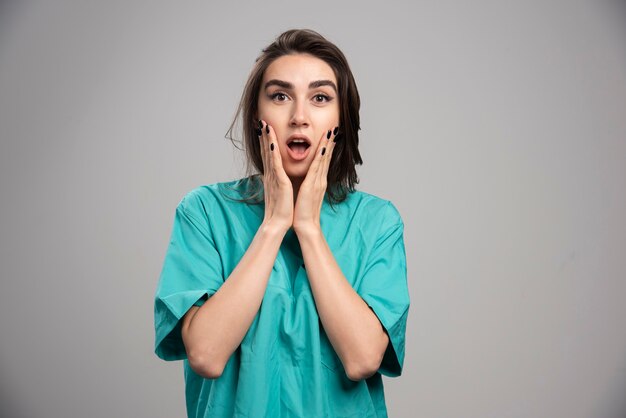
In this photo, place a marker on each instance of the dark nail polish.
(258, 132)
(324, 149)
(260, 124)
(267, 129)
(336, 130)
(272, 146)
(328, 135)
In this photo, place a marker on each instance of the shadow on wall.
(617, 399)
(10, 404)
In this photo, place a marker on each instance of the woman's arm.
(212, 332)
(352, 327)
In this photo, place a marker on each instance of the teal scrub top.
(285, 365)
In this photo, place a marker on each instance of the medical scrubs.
(285, 365)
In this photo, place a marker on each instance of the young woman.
(285, 292)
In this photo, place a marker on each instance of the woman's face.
(299, 99)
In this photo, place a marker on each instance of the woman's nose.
(299, 114)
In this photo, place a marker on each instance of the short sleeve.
(384, 287)
(192, 271)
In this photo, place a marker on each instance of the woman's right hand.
(278, 189)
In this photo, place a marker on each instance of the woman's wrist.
(273, 228)
(309, 229)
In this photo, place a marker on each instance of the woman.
(285, 292)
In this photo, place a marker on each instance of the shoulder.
(206, 198)
(374, 208)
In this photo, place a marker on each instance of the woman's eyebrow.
(279, 83)
(312, 85)
(320, 83)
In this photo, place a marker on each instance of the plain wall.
(497, 128)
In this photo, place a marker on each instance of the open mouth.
(298, 145)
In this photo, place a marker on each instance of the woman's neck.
(295, 184)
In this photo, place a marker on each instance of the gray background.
(497, 128)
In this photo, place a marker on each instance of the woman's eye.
(281, 97)
(320, 98)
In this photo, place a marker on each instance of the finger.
(328, 159)
(269, 139)
(328, 153)
(267, 173)
(319, 153)
(332, 142)
(275, 157)
(270, 149)
(335, 133)
(316, 169)
(259, 133)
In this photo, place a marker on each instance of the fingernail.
(258, 132)
(324, 149)
(272, 146)
(336, 130)
(328, 135)
(267, 128)
(260, 124)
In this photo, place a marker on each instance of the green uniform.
(285, 365)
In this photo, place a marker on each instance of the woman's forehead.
(299, 69)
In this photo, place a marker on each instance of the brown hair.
(342, 175)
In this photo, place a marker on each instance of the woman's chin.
(298, 172)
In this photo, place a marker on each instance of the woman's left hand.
(308, 204)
